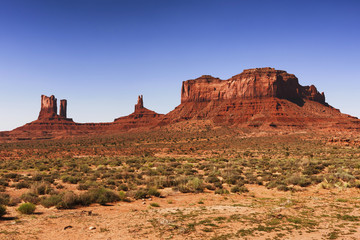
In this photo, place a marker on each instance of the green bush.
(51, 201)
(27, 208)
(221, 191)
(98, 195)
(2, 210)
(154, 204)
(299, 180)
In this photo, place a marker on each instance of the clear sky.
(101, 54)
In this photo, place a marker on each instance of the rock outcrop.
(48, 107)
(260, 97)
(63, 108)
(141, 117)
(140, 103)
(250, 84)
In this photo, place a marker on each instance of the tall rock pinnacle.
(140, 103)
(48, 107)
(63, 108)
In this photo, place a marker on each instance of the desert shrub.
(231, 179)
(154, 192)
(196, 185)
(183, 188)
(70, 179)
(4, 199)
(123, 187)
(282, 187)
(212, 179)
(2, 210)
(98, 195)
(154, 204)
(141, 193)
(4, 182)
(239, 189)
(38, 177)
(221, 191)
(51, 201)
(87, 185)
(27, 208)
(210, 187)
(299, 180)
(193, 185)
(40, 188)
(271, 184)
(343, 175)
(21, 185)
(313, 168)
(30, 197)
(68, 200)
(123, 196)
(11, 175)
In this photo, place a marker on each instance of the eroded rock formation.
(140, 103)
(262, 98)
(250, 84)
(141, 117)
(48, 107)
(63, 108)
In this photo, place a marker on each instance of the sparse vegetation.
(101, 170)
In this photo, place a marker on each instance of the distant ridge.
(259, 98)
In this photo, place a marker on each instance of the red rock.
(140, 103)
(262, 98)
(250, 84)
(63, 108)
(48, 107)
(141, 117)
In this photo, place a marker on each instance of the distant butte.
(259, 98)
(141, 117)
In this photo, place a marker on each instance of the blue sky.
(101, 54)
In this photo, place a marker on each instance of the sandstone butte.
(260, 98)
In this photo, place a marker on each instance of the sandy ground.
(260, 214)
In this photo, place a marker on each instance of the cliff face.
(250, 84)
(260, 97)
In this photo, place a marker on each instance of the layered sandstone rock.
(48, 107)
(258, 97)
(63, 108)
(261, 98)
(250, 84)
